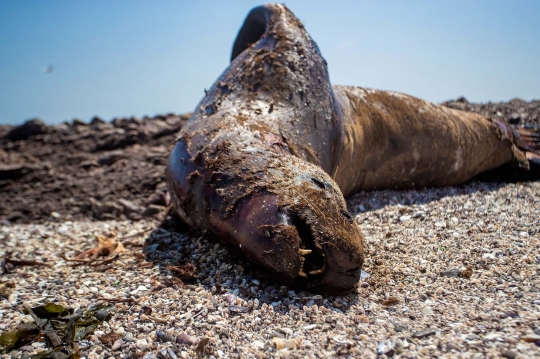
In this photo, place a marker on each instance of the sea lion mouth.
(322, 264)
(312, 256)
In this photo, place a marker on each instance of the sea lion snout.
(316, 242)
(309, 243)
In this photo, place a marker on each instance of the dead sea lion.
(269, 152)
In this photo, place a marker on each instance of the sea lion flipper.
(525, 141)
(527, 137)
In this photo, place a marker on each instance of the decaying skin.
(268, 154)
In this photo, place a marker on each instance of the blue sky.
(134, 58)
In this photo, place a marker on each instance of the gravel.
(450, 272)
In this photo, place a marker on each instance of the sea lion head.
(283, 214)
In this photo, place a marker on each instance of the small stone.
(117, 344)
(428, 311)
(508, 354)
(129, 207)
(153, 210)
(399, 327)
(424, 333)
(451, 272)
(286, 331)
(277, 343)
(185, 339)
(386, 347)
(139, 288)
(404, 218)
(110, 157)
(142, 344)
(164, 336)
(491, 336)
(531, 338)
(293, 343)
(364, 275)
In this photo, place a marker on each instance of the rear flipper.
(527, 138)
(526, 147)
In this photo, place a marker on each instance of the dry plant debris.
(107, 247)
(8, 264)
(57, 327)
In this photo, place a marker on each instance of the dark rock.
(461, 99)
(79, 122)
(108, 209)
(424, 333)
(508, 354)
(509, 315)
(13, 171)
(156, 198)
(264, 299)
(164, 336)
(30, 128)
(88, 164)
(400, 327)
(514, 118)
(96, 120)
(129, 207)
(110, 157)
(153, 210)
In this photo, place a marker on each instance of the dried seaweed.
(60, 325)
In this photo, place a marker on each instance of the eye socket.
(319, 183)
(347, 215)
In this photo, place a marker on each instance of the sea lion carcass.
(269, 152)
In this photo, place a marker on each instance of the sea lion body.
(266, 157)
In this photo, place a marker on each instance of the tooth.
(301, 273)
(317, 271)
(303, 252)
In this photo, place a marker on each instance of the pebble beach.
(450, 272)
